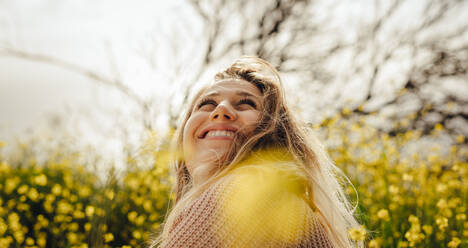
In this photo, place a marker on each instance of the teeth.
(214, 133)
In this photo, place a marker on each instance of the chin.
(213, 154)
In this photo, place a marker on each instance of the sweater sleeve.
(249, 208)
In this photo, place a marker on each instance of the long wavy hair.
(277, 128)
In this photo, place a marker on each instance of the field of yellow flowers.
(410, 191)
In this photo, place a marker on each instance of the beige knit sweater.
(254, 206)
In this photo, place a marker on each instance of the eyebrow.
(239, 92)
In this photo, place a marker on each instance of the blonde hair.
(277, 128)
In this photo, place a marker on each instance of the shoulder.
(266, 202)
(269, 172)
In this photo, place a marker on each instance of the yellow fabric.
(254, 206)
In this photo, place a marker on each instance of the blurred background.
(94, 89)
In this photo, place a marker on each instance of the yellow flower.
(42, 221)
(22, 189)
(383, 214)
(427, 229)
(414, 236)
(346, 111)
(442, 204)
(73, 227)
(48, 206)
(438, 127)
(407, 177)
(147, 205)
(393, 189)
(374, 244)
(72, 237)
(454, 242)
(132, 216)
(4, 167)
(84, 191)
(19, 236)
(100, 212)
(50, 198)
(133, 183)
(33, 194)
(461, 216)
(103, 227)
(442, 222)
(357, 233)
(78, 214)
(442, 188)
(89, 211)
(66, 193)
(108, 237)
(41, 241)
(5, 242)
(110, 194)
(56, 189)
(3, 227)
(68, 180)
(87, 227)
(156, 225)
(140, 220)
(454, 202)
(41, 180)
(13, 218)
(29, 241)
(402, 244)
(64, 207)
(413, 219)
(460, 139)
(23, 207)
(137, 234)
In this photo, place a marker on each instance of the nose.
(223, 111)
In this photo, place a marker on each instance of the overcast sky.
(91, 34)
(87, 33)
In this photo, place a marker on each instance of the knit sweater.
(253, 206)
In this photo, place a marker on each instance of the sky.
(89, 34)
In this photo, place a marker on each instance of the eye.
(248, 102)
(205, 102)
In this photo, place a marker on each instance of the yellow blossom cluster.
(412, 187)
(40, 206)
(60, 203)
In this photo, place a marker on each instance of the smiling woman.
(251, 175)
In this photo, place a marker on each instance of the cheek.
(190, 130)
(252, 118)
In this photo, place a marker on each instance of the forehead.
(235, 86)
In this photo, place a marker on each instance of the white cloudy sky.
(90, 34)
(87, 33)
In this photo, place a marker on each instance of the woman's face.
(224, 109)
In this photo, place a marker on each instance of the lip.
(217, 127)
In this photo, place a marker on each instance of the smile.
(219, 133)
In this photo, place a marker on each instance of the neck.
(201, 173)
